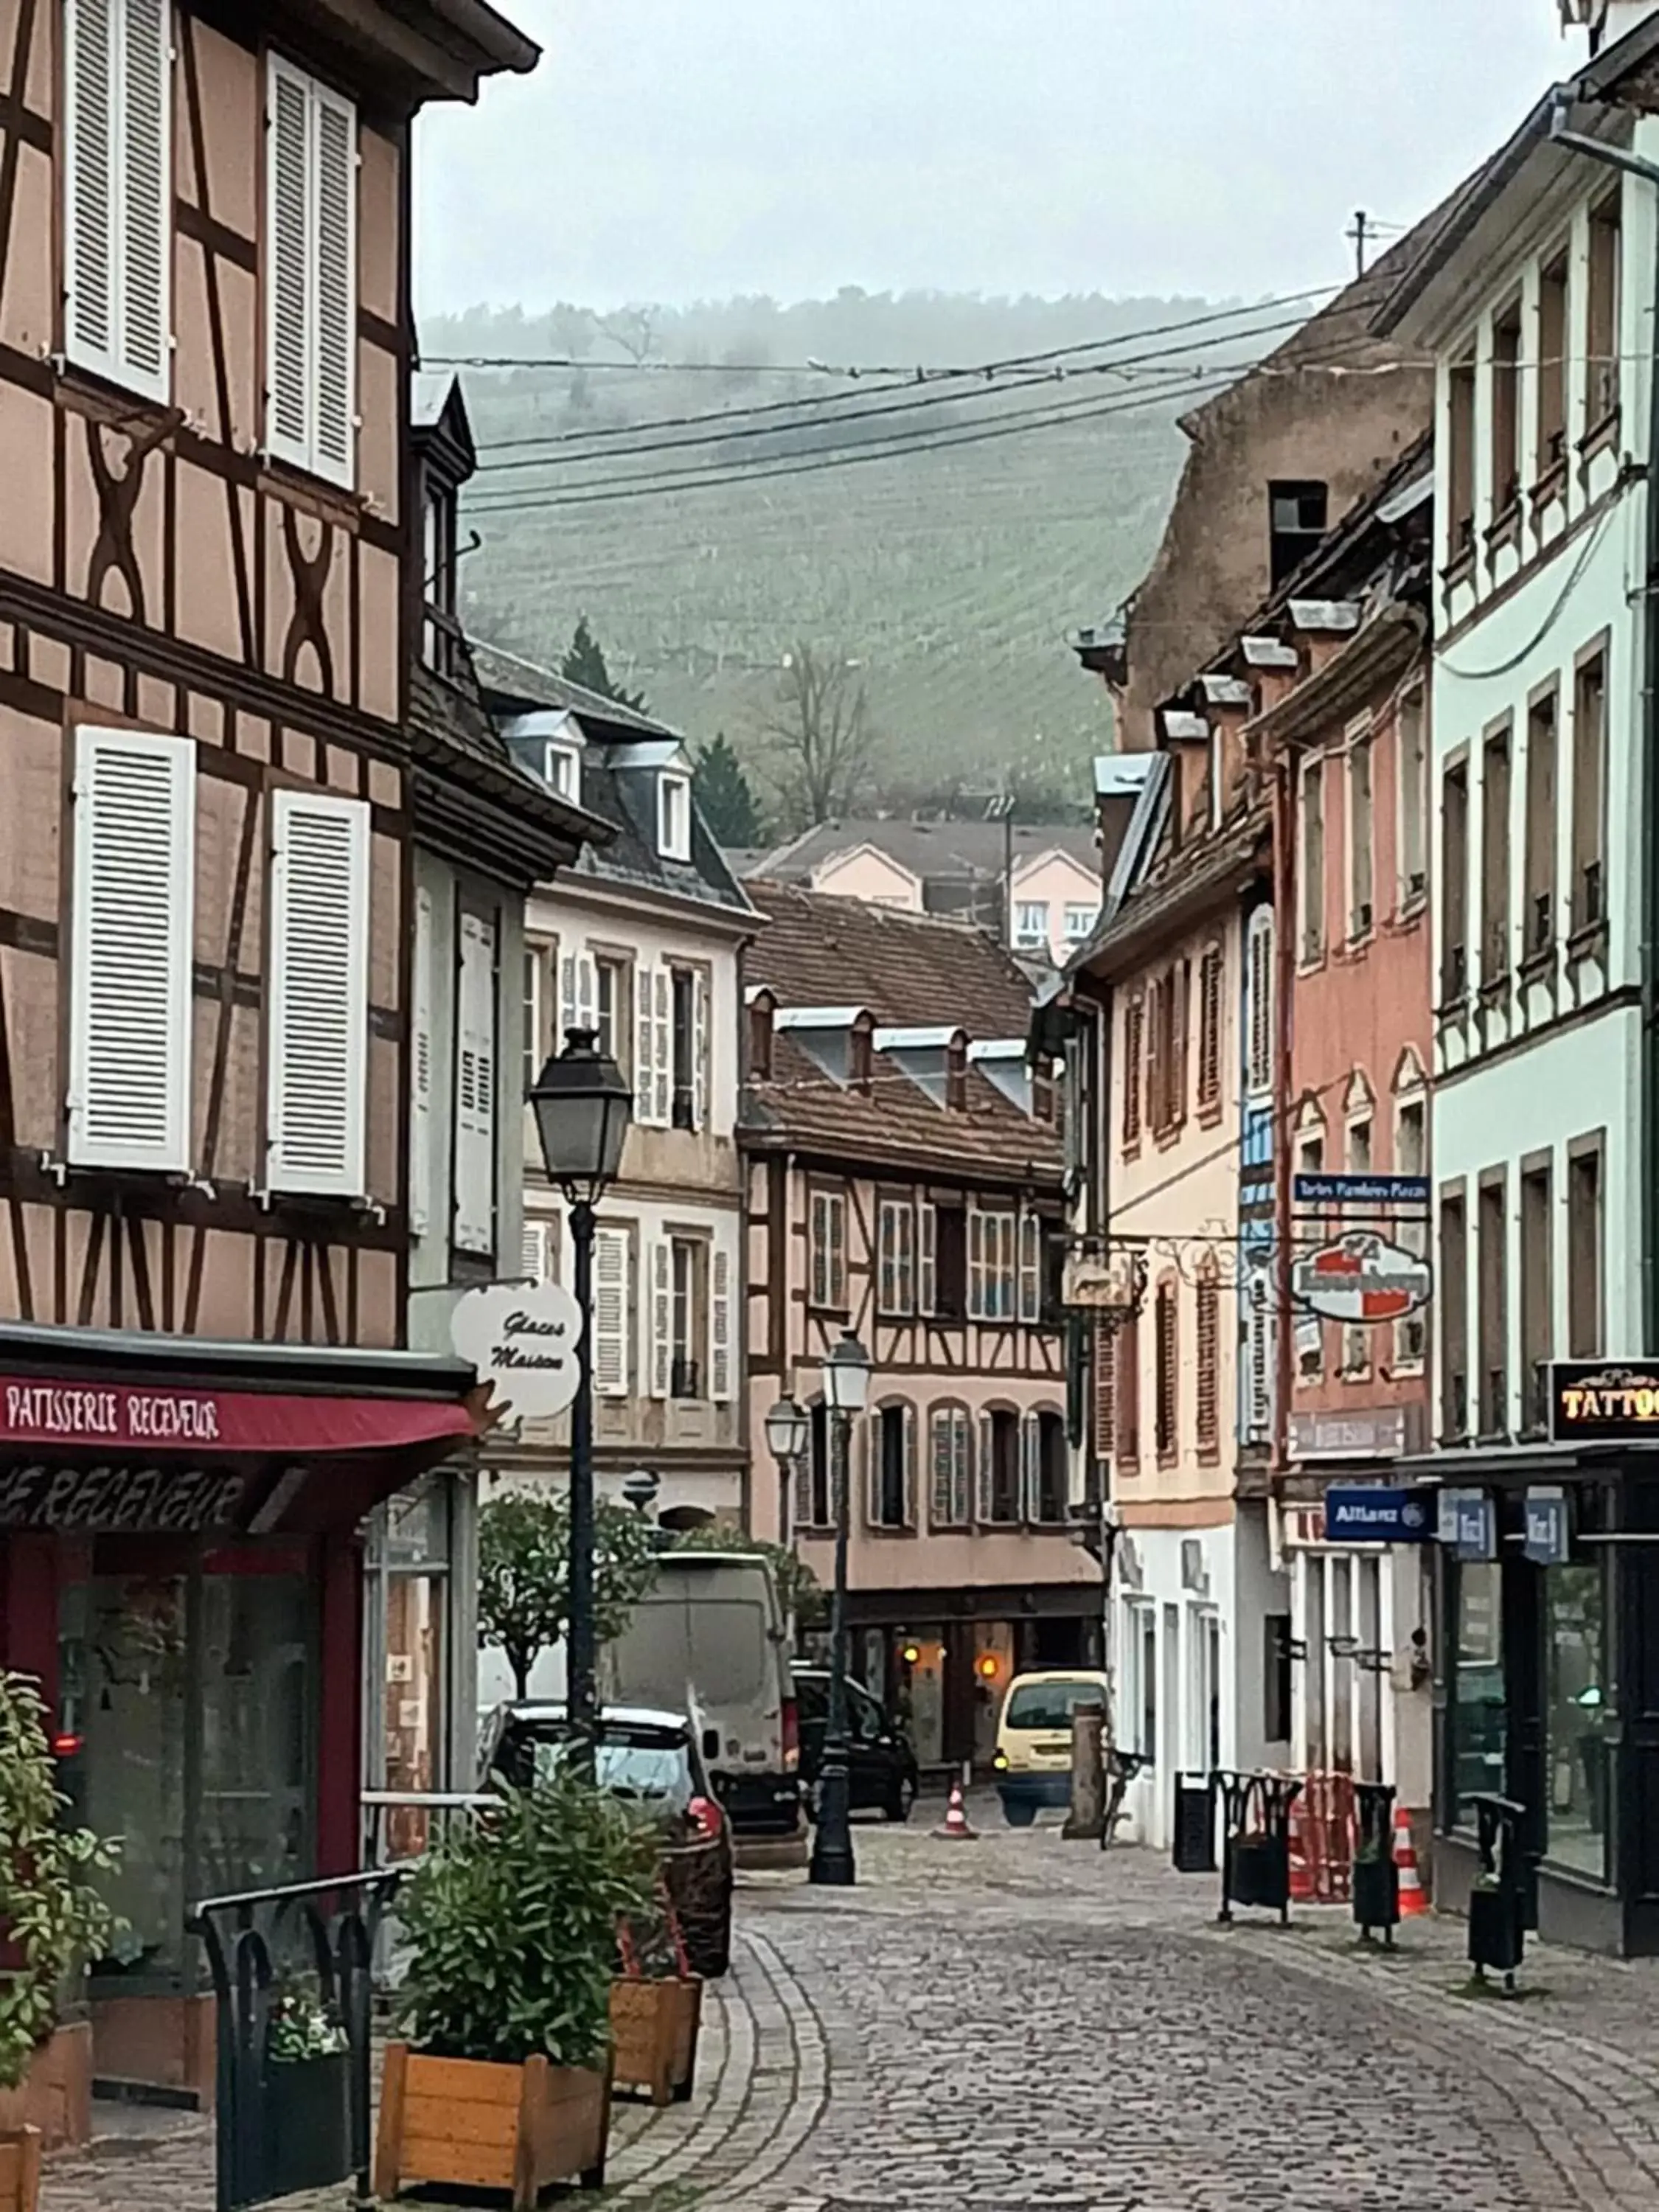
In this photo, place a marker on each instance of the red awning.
(85, 1416)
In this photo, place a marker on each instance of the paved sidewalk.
(1024, 2022)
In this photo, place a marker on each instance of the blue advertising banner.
(1549, 1527)
(1367, 1513)
(1359, 1190)
(1468, 1526)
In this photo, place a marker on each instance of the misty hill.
(951, 577)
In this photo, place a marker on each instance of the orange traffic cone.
(1413, 1898)
(955, 1827)
(1301, 1873)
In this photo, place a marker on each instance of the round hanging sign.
(523, 1340)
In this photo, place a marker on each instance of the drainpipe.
(1283, 897)
(1615, 157)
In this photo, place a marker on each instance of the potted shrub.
(656, 2006)
(504, 2081)
(53, 1922)
(308, 2107)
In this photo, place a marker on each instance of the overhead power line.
(906, 378)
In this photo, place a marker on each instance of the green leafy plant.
(303, 2027)
(512, 1924)
(800, 1593)
(55, 1917)
(523, 1575)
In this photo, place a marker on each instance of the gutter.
(1615, 157)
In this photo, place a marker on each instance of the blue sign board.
(1468, 1525)
(1549, 1527)
(1360, 1190)
(1367, 1513)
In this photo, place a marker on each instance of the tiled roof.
(453, 739)
(909, 970)
(930, 848)
(898, 1121)
(1179, 888)
(529, 684)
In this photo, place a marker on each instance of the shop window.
(1478, 1715)
(1538, 916)
(1575, 1684)
(1589, 742)
(1495, 858)
(409, 1547)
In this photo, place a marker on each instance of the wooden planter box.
(654, 2027)
(20, 2170)
(512, 2128)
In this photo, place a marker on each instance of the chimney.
(761, 1006)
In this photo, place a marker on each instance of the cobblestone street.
(1020, 2022)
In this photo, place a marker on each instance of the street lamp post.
(788, 1430)
(582, 1107)
(846, 1391)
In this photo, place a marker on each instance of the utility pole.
(1360, 234)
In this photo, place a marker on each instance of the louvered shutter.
(841, 1496)
(568, 1016)
(942, 1444)
(475, 1088)
(662, 1315)
(698, 1051)
(874, 1501)
(838, 1251)
(288, 265)
(133, 924)
(118, 191)
(1209, 1029)
(421, 1069)
(1030, 1507)
(611, 1256)
(534, 1266)
(928, 1226)
(911, 1520)
(802, 1515)
(1155, 1060)
(662, 1066)
(962, 1469)
(987, 1471)
(645, 1048)
(976, 1263)
(1105, 1384)
(1262, 1000)
(720, 1325)
(334, 402)
(1206, 1333)
(1181, 1019)
(318, 1041)
(1134, 1015)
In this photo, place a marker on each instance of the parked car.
(881, 1760)
(709, 1639)
(656, 1758)
(1033, 1759)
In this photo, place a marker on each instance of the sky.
(670, 150)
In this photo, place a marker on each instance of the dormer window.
(562, 771)
(674, 817)
(440, 629)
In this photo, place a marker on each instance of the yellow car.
(1033, 1758)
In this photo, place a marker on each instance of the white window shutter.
(143, 140)
(317, 1039)
(334, 165)
(700, 1051)
(662, 1065)
(611, 1256)
(802, 1515)
(568, 1016)
(534, 1266)
(288, 265)
(986, 1471)
(587, 994)
(943, 1442)
(1029, 1468)
(720, 1325)
(911, 1520)
(662, 1316)
(132, 926)
(645, 1086)
(475, 1088)
(976, 1305)
(871, 1425)
(928, 1224)
(1030, 1268)
(421, 1069)
(962, 1469)
(92, 275)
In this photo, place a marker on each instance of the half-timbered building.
(206, 599)
(905, 1180)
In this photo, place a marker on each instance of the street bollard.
(1088, 1805)
(1375, 1876)
(1255, 1842)
(1498, 1903)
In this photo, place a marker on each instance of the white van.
(709, 1640)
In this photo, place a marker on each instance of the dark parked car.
(653, 1757)
(882, 1763)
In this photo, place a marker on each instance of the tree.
(723, 792)
(523, 1575)
(584, 664)
(821, 724)
(800, 1591)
